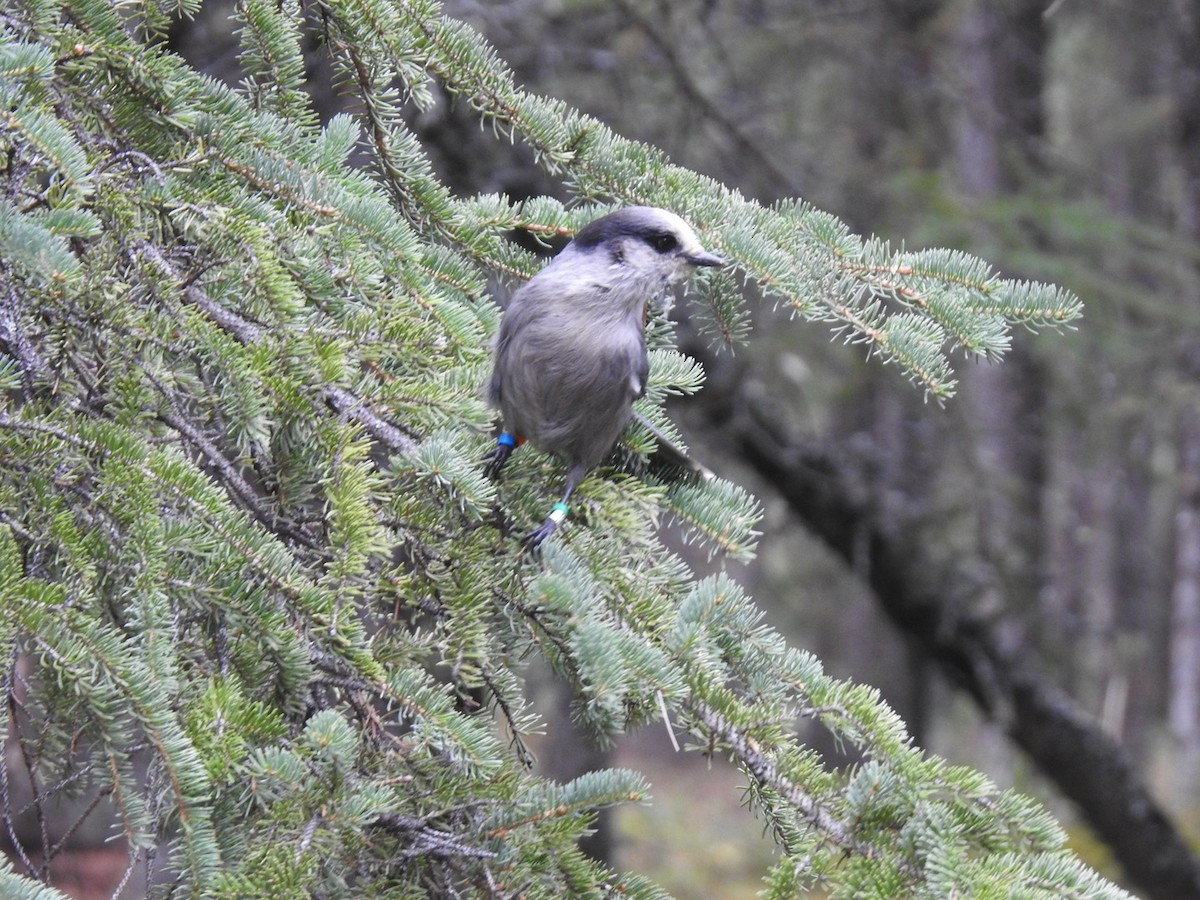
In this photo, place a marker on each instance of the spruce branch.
(242, 329)
(759, 764)
(340, 400)
(228, 473)
(347, 404)
(425, 841)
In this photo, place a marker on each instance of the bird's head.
(645, 247)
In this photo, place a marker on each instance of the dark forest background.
(1019, 571)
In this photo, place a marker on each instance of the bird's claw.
(532, 541)
(495, 459)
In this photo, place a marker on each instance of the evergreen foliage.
(252, 577)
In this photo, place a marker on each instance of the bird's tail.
(670, 460)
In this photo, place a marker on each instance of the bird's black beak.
(704, 258)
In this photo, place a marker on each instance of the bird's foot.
(534, 539)
(495, 458)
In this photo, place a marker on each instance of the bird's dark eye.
(664, 243)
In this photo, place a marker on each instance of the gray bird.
(571, 355)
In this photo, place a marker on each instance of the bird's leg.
(557, 513)
(495, 459)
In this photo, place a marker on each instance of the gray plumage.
(571, 354)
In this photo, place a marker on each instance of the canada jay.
(571, 355)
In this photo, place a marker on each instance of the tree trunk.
(1184, 677)
(1184, 686)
